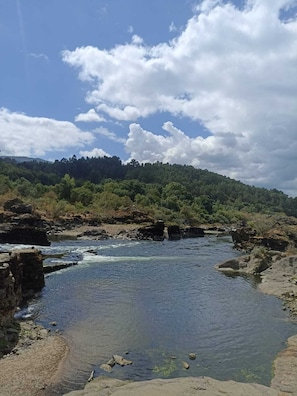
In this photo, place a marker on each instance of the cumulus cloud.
(90, 116)
(22, 135)
(231, 69)
(95, 152)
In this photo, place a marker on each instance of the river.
(156, 302)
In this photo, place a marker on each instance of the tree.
(65, 187)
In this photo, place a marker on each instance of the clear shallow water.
(157, 300)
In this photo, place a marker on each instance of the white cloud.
(36, 136)
(109, 134)
(233, 70)
(39, 56)
(96, 152)
(90, 116)
(172, 27)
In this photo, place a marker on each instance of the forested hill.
(176, 191)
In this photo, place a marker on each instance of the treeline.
(101, 186)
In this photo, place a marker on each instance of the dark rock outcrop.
(193, 232)
(21, 276)
(21, 226)
(174, 232)
(97, 234)
(246, 238)
(17, 206)
(241, 237)
(152, 232)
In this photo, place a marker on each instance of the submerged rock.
(121, 361)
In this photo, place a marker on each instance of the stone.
(111, 362)
(106, 367)
(121, 361)
(192, 356)
(186, 365)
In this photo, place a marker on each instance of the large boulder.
(255, 263)
(152, 232)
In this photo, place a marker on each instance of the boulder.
(174, 232)
(253, 264)
(193, 232)
(152, 232)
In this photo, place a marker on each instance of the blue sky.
(207, 83)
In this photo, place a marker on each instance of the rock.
(111, 362)
(21, 226)
(192, 356)
(285, 364)
(247, 238)
(174, 232)
(193, 232)
(153, 232)
(106, 367)
(16, 205)
(121, 361)
(199, 386)
(186, 365)
(97, 234)
(47, 269)
(255, 263)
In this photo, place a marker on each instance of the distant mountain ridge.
(22, 159)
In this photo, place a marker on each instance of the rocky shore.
(34, 364)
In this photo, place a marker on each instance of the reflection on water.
(156, 301)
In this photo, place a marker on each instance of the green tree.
(65, 187)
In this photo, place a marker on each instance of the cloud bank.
(22, 135)
(231, 69)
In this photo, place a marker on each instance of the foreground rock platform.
(200, 386)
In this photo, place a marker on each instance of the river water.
(154, 303)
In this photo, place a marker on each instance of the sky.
(209, 83)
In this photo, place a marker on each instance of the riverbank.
(35, 364)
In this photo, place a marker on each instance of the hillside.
(102, 186)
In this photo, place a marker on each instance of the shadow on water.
(253, 280)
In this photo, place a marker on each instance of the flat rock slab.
(285, 369)
(200, 386)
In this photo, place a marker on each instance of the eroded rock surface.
(201, 386)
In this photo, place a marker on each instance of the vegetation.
(102, 186)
